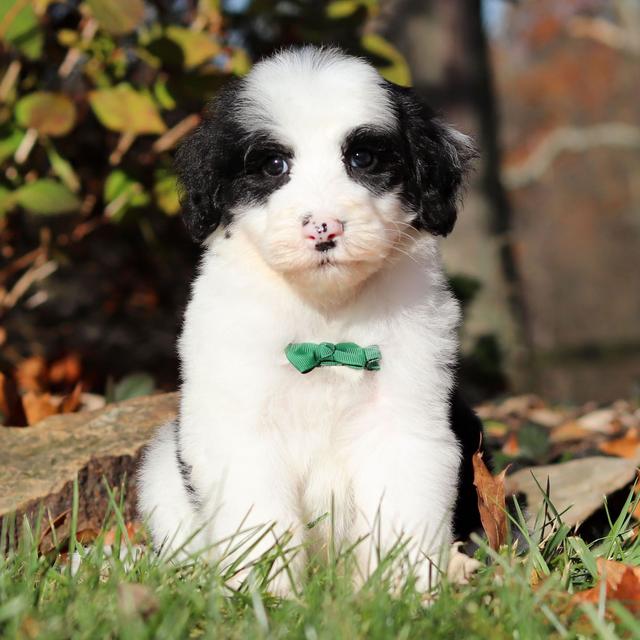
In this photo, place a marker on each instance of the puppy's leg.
(250, 509)
(405, 489)
(163, 498)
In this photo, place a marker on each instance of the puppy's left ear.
(438, 158)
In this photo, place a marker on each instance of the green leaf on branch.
(122, 193)
(62, 168)
(9, 144)
(124, 109)
(118, 17)
(20, 27)
(339, 9)
(197, 47)
(52, 114)
(46, 197)
(397, 69)
(165, 191)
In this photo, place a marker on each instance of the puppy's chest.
(320, 404)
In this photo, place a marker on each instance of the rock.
(38, 464)
(577, 487)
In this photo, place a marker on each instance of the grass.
(515, 595)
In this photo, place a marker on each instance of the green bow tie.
(306, 356)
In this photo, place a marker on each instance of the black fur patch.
(467, 428)
(220, 166)
(434, 162)
(185, 469)
(388, 170)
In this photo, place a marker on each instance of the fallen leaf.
(622, 584)
(11, 411)
(577, 486)
(568, 432)
(38, 406)
(491, 501)
(602, 421)
(137, 599)
(134, 531)
(520, 405)
(31, 374)
(546, 417)
(626, 447)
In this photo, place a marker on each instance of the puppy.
(319, 346)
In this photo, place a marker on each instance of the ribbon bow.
(306, 356)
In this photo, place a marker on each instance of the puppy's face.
(328, 170)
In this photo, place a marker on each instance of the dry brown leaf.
(10, 404)
(134, 531)
(66, 370)
(546, 417)
(625, 447)
(491, 501)
(569, 432)
(31, 374)
(38, 406)
(622, 584)
(601, 421)
(137, 599)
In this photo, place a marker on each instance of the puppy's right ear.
(204, 167)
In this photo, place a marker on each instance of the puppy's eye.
(361, 159)
(275, 166)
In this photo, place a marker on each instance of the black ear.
(437, 158)
(205, 163)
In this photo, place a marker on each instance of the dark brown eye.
(275, 166)
(361, 159)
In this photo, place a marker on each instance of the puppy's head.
(326, 168)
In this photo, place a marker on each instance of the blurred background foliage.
(95, 94)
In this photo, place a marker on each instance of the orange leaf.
(625, 447)
(38, 406)
(491, 501)
(511, 447)
(622, 584)
(31, 374)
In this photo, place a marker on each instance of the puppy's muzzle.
(321, 233)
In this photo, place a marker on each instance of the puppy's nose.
(322, 232)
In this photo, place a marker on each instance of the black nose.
(325, 246)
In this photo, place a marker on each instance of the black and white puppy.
(318, 190)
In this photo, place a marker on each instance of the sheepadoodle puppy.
(319, 346)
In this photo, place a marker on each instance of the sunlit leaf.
(397, 70)
(165, 191)
(163, 95)
(122, 193)
(342, 8)
(118, 16)
(23, 30)
(52, 114)
(240, 62)
(124, 109)
(46, 197)
(62, 168)
(9, 144)
(197, 47)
